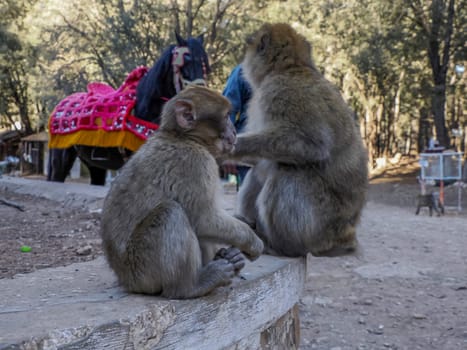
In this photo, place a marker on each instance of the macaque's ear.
(185, 114)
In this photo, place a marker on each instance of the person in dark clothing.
(238, 91)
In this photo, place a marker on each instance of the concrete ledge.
(69, 194)
(80, 306)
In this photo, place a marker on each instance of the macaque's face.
(216, 130)
(202, 114)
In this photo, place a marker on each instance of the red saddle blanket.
(100, 117)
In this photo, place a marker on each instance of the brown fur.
(165, 204)
(307, 188)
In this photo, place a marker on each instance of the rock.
(86, 250)
(377, 331)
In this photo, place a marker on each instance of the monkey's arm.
(220, 227)
(285, 146)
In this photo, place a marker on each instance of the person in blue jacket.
(238, 91)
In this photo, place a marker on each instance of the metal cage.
(441, 167)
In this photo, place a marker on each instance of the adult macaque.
(307, 188)
(165, 203)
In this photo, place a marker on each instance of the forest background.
(399, 64)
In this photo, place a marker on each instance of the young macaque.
(165, 204)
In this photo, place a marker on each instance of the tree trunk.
(439, 64)
(438, 30)
(423, 130)
(438, 102)
(408, 140)
(370, 135)
(397, 108)
(379, 128)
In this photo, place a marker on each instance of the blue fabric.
(241, 173)
(238, 91)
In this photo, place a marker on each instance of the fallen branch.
(11, 204)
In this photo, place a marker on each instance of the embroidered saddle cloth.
(100, 117)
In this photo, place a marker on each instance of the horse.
(103, 126)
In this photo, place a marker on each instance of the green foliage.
(375, 51)
(17, 61)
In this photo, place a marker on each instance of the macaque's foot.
(232, 255)
(219, 272)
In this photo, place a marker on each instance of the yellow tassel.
(97, 138)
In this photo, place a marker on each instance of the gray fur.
(307, 188)
(165, 203)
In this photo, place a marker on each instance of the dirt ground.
(406, 289)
